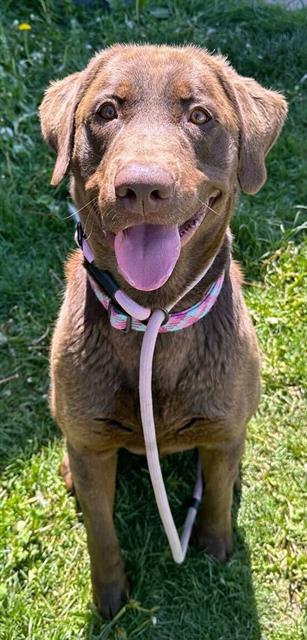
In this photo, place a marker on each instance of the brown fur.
(206, 378)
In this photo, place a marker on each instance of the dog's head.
(157, 139)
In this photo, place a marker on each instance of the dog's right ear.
(57, 116)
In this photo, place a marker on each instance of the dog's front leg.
(220, 468)
(94, 476)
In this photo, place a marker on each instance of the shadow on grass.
(197, 600)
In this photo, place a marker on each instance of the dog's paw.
(111, 597)
(218, 547)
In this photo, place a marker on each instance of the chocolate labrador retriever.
(158, 141)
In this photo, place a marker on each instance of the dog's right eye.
(199, 116)
(107, 111)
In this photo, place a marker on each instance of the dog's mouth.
(146, 254)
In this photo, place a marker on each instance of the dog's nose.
(144, 187)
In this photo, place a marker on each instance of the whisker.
(204, 203)
(86, 221)
(91, 231)
(213, 210)
(75, 213)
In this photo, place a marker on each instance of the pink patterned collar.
(173, 321)
(113, 299)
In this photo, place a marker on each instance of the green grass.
(45, 588)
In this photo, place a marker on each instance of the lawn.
(45, 589)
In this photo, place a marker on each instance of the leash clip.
(166, 316)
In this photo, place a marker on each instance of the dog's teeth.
(193, 224)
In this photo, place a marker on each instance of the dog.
(158, 141)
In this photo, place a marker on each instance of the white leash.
(178, 547)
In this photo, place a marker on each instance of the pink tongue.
(147, 253)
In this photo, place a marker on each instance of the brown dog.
(156, 136)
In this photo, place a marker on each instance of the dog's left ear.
(57, 116)
(261, 115)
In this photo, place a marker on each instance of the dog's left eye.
(107, 111)
(199, 116)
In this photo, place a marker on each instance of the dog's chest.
(182, 419)
(187, 393)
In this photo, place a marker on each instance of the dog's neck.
(221, 263)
